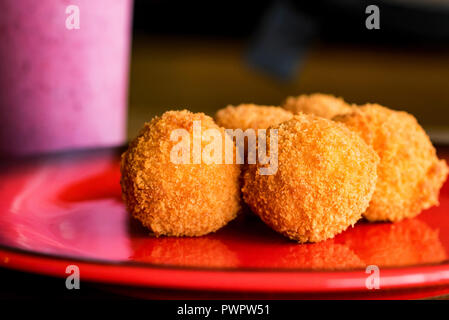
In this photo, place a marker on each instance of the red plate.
(66, 209)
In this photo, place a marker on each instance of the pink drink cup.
(63, 88)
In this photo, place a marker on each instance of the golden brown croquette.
(325, 179)
(410, 174)
(177, 199)
(251, 116)
(322, 105)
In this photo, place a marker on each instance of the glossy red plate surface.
(66, 209)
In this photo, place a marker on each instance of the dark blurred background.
(205, 55)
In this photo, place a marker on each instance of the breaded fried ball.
(322, 105)
(410, 174)
(177, 199)
(251, 116)
(325, 179)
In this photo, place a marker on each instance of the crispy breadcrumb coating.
(251, 116)
(322, 105)
(177, 199)
(410, 174)
(325, 179)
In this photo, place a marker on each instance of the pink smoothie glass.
(63, 74)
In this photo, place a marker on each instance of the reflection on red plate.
(187, 252)
(409, 242)
(67, 209)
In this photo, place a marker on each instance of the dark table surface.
(21, 285)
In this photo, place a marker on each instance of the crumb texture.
(251, 116)
(177, 199)
(410, 175)
(324, 182)
(322, 105)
